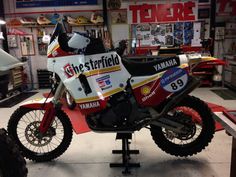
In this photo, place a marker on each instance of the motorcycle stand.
(125, 137)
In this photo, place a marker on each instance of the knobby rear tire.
(205, 137)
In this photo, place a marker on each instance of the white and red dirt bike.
(116, 95)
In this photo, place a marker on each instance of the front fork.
(51, 108)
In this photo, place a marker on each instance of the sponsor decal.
(145, 90)
(104, 62)
(166, 64)
(174, 80)
(54, 53)
(68, 70)
(90, 105)
(148, 96)
(104, 82)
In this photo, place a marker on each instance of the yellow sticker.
(145, 90)
(38, 99)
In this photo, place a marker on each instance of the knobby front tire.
(23, 127)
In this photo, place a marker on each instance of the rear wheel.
(199, 128)
(24, 128)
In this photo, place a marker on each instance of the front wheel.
(199, 128)
(23, 126)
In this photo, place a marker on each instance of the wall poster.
(12, 41)
(154, 34)
(27, 45)
(42, 47)
(119, 17)
(169, 34)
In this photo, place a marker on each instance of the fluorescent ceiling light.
(2, 22)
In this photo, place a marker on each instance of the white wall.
(40, 61)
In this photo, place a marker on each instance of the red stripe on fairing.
(60, 53)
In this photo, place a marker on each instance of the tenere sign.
(157, 13)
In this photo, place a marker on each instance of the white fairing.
(105, 73)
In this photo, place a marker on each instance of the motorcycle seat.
(146, 68)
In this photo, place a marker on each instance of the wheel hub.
(35, 138)
(187, 131)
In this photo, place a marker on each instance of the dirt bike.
(116, 95)
(12, 162)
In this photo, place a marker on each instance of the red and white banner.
(163, 12)
(15, 31)
(226, 8)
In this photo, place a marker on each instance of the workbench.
(228, 120)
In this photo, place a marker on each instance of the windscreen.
(56, 31)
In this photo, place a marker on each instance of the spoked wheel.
(70, 101)
(24, 128)
(197, 131)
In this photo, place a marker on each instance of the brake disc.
(35, 138)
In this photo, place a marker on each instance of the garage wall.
(225, 21)
(40, 61)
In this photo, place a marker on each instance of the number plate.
(174, 80)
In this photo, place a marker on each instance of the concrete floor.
(89, 154)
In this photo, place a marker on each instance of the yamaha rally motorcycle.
(116, 95)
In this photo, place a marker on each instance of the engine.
(121, 111)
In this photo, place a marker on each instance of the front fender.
(38, 103)
(42, 104)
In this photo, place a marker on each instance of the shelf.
(58, 11)
(88, 24)
(29, 26)
(202, 73)
(45, 26)
(230, 38)
(227, 70)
